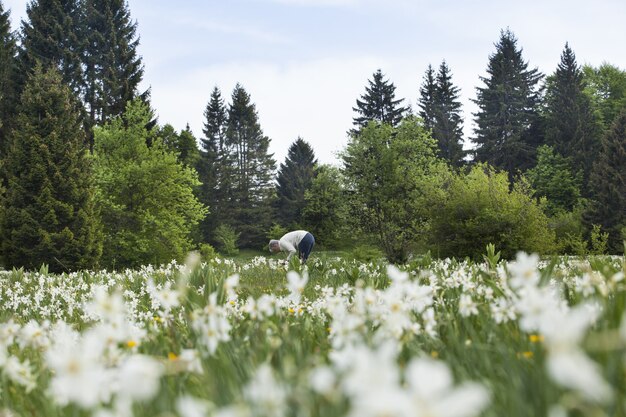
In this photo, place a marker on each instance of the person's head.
(274, 246)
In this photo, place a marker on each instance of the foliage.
(608, 184)
(506, 135)
(113, 67)
(441, 112)
(183, 145)
(252, 189)
(294, 178)
(51, 36)
(554, 178)
(606, 85)
(145, 194)
(325, 213)
(207, 252)
(378, 104)
(393, 175)
(599, 240)
(8, 68)
(276, 231)
(227, 238)
(215, 167)
(50, 217)
(480, 208)
(571, 126)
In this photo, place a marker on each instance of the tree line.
(91, 179)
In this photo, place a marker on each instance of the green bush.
(226, 238)
(207, 252)
(275, 232)
(480, 208)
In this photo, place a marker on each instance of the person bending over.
(299, 241)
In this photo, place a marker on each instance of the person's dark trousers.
(305, 246)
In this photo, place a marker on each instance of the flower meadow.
(338, 337)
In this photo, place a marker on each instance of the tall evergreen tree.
(295, 177)
(448, 127)
(608, 185)
(507, 118)
(113, 68)
(51, 36)
(379, 103)
(215, 167)
(253, 190)
(50, 216)
(571, 127)
(8, 93)
(428, 93)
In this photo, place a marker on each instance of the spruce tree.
(379, 103)
(608, 185)
(507, 119)
(113, 68)
(448, 127)
(428, 93)
(253, 190)
(295, 177)
(51, 36)
(215, 168)
(50, 216)
(571, 127)
(8, 93)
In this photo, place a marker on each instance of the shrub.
(226, 238)
(480, 208)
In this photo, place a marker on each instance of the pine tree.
(428, 93)
(51, 36)
(253, 190)
(379, 103)
(8, 93)
(215, 168)
(295, 177)
(570, 125)
(506, 133)
(448, 127)
(113, 68)
(608, 185)
(50, 215)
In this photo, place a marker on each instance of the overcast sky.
(305, 62)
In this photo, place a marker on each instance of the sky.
(305, 62)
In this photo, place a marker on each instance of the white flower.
(467, 306)
(323, 380)
(266, 394)
(395, 275)
(502, 310)
(79, 377)
(33, 334)
(139, 378)
(296, 284)
(19, 372)
(106, 307)
(190, 358)
(188, 406)
(431, 385)
(574, 370)
(230, 284)
(524, 270)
